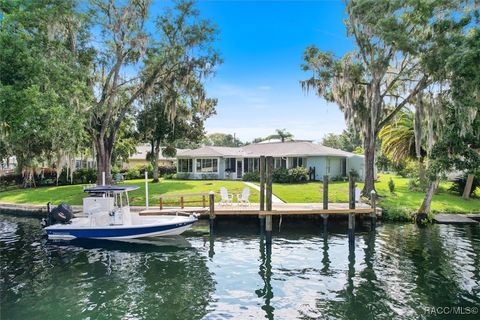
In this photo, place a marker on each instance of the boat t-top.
(107, 215)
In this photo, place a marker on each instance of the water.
(397, 272)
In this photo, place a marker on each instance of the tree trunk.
(427, 201)
(468, 187)
(156, 156)
(104, 158)
(422, 172)
(369, 145)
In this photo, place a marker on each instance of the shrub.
(167, 170)
(460, 183)
(391, 185)
(133, 173)
(397, 214)
(85, 175)
(251, 176)
(280, 175)
(408, 169)
(298, 174)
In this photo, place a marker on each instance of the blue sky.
(257, 86)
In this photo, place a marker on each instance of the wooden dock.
(277, 209)
(265, 210)
(454, 219)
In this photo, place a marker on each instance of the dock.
(277, 209)
(455, 218)
(206, 205)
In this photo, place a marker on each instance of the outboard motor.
(63, 213)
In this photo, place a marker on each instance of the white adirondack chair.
(225, 197)
(243, 197)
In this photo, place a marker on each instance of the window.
(207, 165)
(251, 164)
(185, 165)
(328, 166)
(230, 164)
(297, 162)
(280, 163)
(343, 167)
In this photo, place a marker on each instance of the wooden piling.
(325, 222)
(212, 211)
(269, 180)
(351, 205)
(373, 216)
(262, 193)
(325, 192)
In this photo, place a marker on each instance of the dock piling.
(373, 217)
(351, 205)
(212, 211)
(325, 192)
(262, 193)
(269, 180)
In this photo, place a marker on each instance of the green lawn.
(403, 199)
(74, 194)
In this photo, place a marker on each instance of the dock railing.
(182, 201)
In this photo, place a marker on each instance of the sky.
(262, 44)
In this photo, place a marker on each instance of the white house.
(231, 163)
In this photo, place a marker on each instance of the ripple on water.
(393, 273)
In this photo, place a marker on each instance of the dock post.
(373, 217)
(146, 189)
(269, 180)
(325, 222)
(262, 193)
(351, 205)
(325, 192)
(212, 211)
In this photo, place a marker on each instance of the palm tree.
(281, 134)
(398, 138)
(399, 142)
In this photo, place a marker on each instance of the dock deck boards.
(453, 219)
(253, 209)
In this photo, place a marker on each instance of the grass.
(74, 194)
(402, 200)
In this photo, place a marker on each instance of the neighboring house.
(139, 158)
(231, 163)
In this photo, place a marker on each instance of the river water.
(398, 272)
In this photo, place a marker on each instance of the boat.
(107, 215)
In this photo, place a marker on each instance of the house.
(231, 163)
(139, 158)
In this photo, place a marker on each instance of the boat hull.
(118, 232)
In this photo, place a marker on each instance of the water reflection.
(394, 272)
(265, 272)
(160, 279)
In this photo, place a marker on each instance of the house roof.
(209, 151)
(143, 149)
(275, 149)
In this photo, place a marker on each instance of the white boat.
(108, 216)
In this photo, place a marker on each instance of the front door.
(239, 169)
